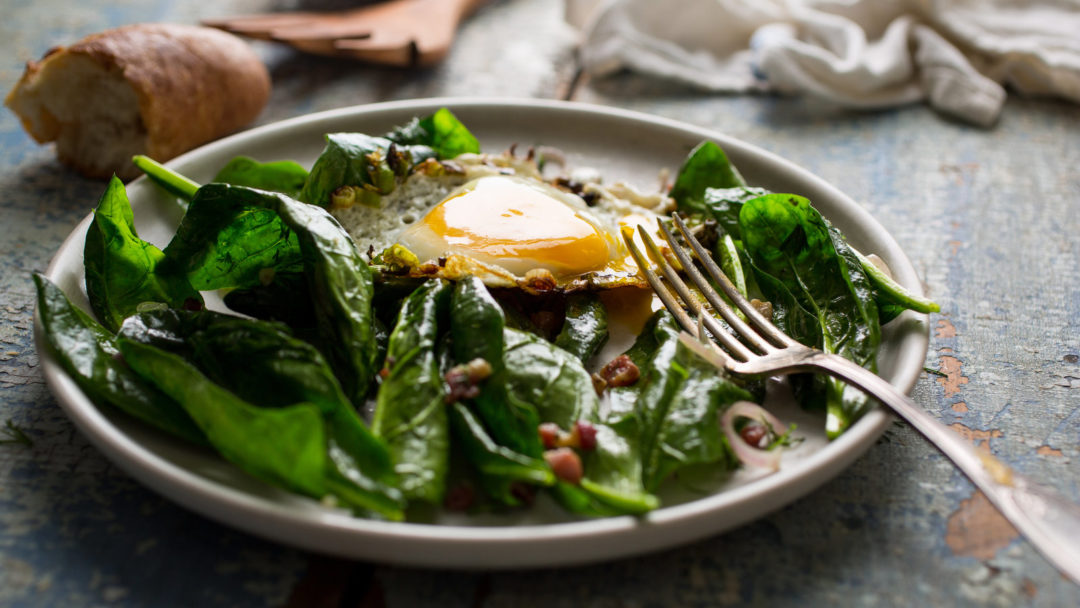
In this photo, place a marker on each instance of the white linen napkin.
(954, 54)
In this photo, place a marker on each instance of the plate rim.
(322, 532)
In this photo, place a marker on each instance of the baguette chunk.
(153, 89)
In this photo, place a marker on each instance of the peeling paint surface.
(990, 219)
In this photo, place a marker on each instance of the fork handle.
(1049, 521)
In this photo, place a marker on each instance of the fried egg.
(496, 218)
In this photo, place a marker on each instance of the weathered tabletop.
(990, 219)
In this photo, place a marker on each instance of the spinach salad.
(468, 403)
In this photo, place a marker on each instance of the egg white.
(377, 229)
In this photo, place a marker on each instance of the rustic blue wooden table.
(990, 218)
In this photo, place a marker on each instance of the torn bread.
(154, 89)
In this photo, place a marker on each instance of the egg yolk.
(517, 224)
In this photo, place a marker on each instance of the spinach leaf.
(476, 324)
(284, 298)
(555, 382)
(501, 469)
(727, 255)
(284, 176)
(705, 167)
(411, 410)
(357, 168)
(724, 205)
(498, 431)
(441, 131)
(265, 369)
(122, 270)
(585, 330)
(223, 241)
(891, 297)
(791, 242)
(679, 401)
(339, 279)
(88, 353)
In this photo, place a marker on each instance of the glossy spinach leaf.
(891, 297)
(356, 168)
(495, 418)
(476, 324)
(283, 446)
(285, 298)
(441, 131)
(88, 353)
(265, 368)
(411, 411)
(339, 279)
(284, 176)
(724, 205)
(585, 330)
(124, 271)
(707, 166)
(791, 242)
(502, 471)
(225, 242)
(679, 402)
(555, 382)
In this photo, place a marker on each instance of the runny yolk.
(506, 218)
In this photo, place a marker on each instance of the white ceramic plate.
(624, 146)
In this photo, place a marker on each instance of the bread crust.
(193, 84)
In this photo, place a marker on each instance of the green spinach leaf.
(585, 330)
(707, 166)
(555, 382)
(476, 324)
(339, 279)
(225, 242)
(724, 205)
(891, 297)
(122, 270)
(411, 411)
(357, 168)
(441, 131)
(501, 470)
(284, 176)
(263, 366)
(88, 352)
(791, 242)
(507, 422)
(679, 403)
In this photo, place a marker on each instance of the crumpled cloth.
(957, 55)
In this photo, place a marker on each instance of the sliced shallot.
(750, 455)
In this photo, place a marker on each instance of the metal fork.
(755, 346)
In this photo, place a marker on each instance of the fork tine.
(719, 331)
(658, 286)
(741, 327)
(705, 321)
(763, 325)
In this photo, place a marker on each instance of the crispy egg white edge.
(379, 228)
